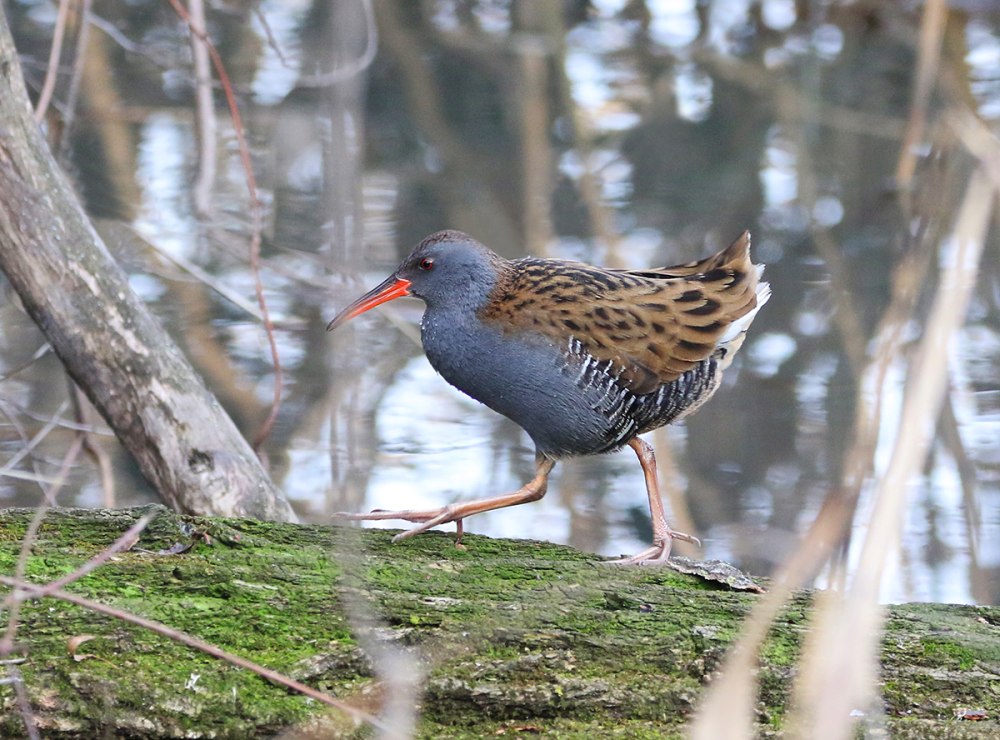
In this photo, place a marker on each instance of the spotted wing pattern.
(652, 326)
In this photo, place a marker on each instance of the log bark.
(509, 637)
(111, 345)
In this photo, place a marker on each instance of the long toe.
(376, 514)
(348, 516)
(659, 553)
(684, 538)
(649, 555)
(408, 515)
(443, 516)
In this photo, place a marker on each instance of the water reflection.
(625, 133)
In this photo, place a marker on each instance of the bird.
(583, 358)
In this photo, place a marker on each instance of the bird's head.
(448, 268)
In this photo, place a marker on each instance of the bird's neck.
(460, 315)
(454, 340)
(453, 325)
(465, 303)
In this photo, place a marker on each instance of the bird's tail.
(736, 332)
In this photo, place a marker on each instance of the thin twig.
(72, 426)
(112, 32)
(52, 72)
(48, 500)
(97, 453)
(36, 355)
(208, 279)
(727, 708)
(355, 67)
(121, 544)
(255, 220)
(272, 41)
(205, 109)
(978, 138)
(32, 477)
(932, 26)
(8, 467)
(73, 94)
(399, 673)
(23, 702)
(125, 42)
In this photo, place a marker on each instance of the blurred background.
(623, 133)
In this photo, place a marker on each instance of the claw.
(659, 552)
(428, 519)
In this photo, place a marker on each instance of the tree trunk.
(114, 349)
(504, 637)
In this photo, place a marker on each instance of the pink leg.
(663, 535)
(530, 491)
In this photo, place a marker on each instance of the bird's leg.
(663, 535)
(530, 491)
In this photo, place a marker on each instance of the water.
(625, 134)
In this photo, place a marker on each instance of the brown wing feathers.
(653, 325)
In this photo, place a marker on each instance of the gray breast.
(523, 376)
(567, 402)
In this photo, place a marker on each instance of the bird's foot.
(659, 553)
(428, 519)
(433, 518)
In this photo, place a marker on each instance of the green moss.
(512, 636)
(945, 654)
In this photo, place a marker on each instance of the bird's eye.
(425, 264)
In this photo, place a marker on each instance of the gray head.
(448, 269)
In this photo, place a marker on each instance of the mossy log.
(509, 637)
